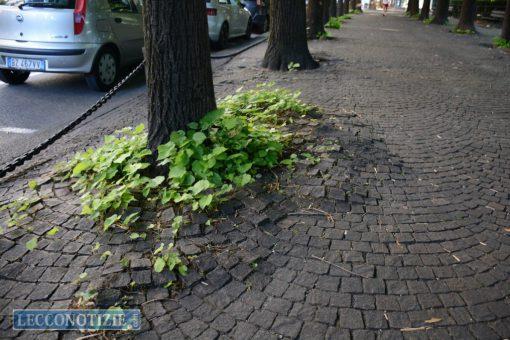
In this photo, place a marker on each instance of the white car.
(227, 19)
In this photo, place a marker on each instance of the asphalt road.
(34, 111)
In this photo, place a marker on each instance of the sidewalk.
(400, 231)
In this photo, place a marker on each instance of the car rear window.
(40, 3)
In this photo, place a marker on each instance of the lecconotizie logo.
(75, 319)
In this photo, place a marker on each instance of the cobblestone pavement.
(400, 231)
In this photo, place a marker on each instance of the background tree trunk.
(467, 15)
(353, 5)
(340, 8)
(287, 36)
(346, 6)
(315, 13)
(441, 12)
(425, 10)
(178, 66)
(333, 8)
(325, 9)
(505, 31)
(413, 7)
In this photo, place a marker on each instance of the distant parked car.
(92, 37)
(227, 19)
(259, 10)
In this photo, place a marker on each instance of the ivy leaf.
(159, 265)
(86, 210)
(53, 231)
(134, 236)
(200, 186)
(32, 185)
(199, 137)
(80, 167)
(106, 254)
(183, 270)
(110, 220)
(32, 244)
(205, 201)
(177, 172)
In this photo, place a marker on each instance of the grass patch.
(356, 11)
(428, 21)
(500, 42)
(457, 30)
(334, 23)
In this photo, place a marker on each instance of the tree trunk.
(315, 13)
(346, 6)
(353, 5)
(505, 31)
(333, 8)
(325, 9)
(178, 66)
(467, 15)
(287, 36)
(340, 8)
(425, 10)
(413, 7)
(441, 12)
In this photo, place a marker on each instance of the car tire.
(223, 37)
(14, 77)
(249, 28)
(105, 70)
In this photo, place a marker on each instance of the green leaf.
(205, 201)
(80, 167)
(134, 236)
(200, 186)
(110, 220)
(53, 231)
(32, 185)
(159, 265)
(159, 249)
(210, 118)
(32, 244)
(177, 172)
(183, 270)
(199, 137)
(139, 128)
(106, 254)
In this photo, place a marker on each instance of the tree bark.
(346, 6)
(178, 66)
(315, 13)
(505, 31)
(333, 8)
(425, 10)
(353, 5)
(413, 7)
(340, 8)
(441, 12)
(467, 15)
(287, 37)
(325, 9)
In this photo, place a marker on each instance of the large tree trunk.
(413, 7)
(340, 8)
(346, 6)
(287, 36)
(505, 31)
(467, 15)
(315, 13)
(325, 9)
(353, 5)
(425, 10)
(441, 12)
(178, 66)
(333, 8)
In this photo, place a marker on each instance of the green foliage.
(323, 35)
(334, 23)
(461, 31)
(428, 21)
(167, 257)
(293, 66)
(18, 209)
(344, 17)
(225, 150)
(356, 11)
(500, 42)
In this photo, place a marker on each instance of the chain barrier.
(35, 151)
(30, 154)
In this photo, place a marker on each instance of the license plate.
(26, 64)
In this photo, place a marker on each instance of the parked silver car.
(92, 37)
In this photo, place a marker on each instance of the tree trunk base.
(465, 27)
(281, 61)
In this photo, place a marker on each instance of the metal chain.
(30, 154)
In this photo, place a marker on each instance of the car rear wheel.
(14, 77)
(104, 72)
(223, 37)
(249, 28)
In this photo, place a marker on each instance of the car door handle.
(118, 20)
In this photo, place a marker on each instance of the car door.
(126, 23)
(238, 17)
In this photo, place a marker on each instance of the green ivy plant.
(334, 23)
(501, 42)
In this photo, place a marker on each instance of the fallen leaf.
(413, 329)
(507, 230)
(433, 320)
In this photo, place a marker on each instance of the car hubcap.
(107, 69)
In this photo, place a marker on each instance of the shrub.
(334, 23)
(501, 42)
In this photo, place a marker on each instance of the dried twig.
(339, 267)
